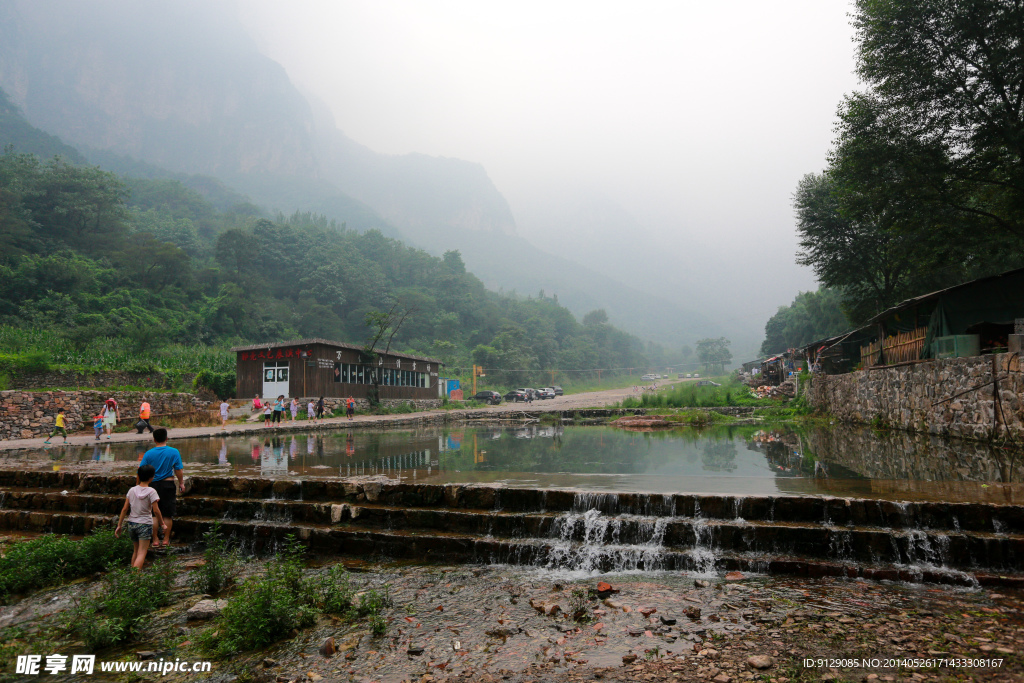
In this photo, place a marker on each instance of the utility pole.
(478, 371)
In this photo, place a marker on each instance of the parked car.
(689, 375)
(649, 377)
(546, 392)
(680, 376)
(558, 390)
(515, 396)
(708, 383)
(531, 394)
(490, 397)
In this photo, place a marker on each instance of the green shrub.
(51, 559)
(119, 611)
(220, 383)
(221, 564)
(261, 612)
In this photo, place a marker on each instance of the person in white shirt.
(141, 506)
(224, 407)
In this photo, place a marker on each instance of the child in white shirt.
(141, 502)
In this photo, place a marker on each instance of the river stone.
(760, 661)
(328, 647)
(205, 610)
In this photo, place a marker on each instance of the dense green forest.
(102, 270)
(924, 186)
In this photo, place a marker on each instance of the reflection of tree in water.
(719, 456)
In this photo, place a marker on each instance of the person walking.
(294, 405)
(166, 462)
(111, 414)
(224, 408)
(143, 423)
(278, 408)
(311, 411)
(350, 407)
(320, 409)
(142, 505)
(59, 426)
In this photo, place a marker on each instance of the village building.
(974, 318)
(319, 367)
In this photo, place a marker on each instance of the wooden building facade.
(319, 367)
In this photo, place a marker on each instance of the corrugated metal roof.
(328, 342)
(917, 300)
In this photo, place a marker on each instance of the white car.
(649, 377)
(689, 375)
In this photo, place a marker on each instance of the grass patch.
(732, 392)
(221, 564)
(118, 612)
(267, 608)
(51, 559)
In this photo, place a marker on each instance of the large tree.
(948, 76)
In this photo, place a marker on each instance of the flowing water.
(627, 512)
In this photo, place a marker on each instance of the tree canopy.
(925, 183)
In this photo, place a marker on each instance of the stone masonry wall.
(951, 397)
(27, 414)
(23, 379)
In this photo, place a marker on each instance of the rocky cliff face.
(183, 86)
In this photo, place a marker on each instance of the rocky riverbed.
(484, 624)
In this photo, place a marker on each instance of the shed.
(320, 367)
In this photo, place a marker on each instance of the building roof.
(917, 300)
(328, 342)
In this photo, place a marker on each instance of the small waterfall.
(593, 542)
(703, 552)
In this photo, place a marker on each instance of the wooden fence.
(898, 348)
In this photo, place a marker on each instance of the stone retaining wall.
(23, 379)
(27, 414)
(951, 397)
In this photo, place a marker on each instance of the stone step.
(983, 517)
(77, 513)
(452, 547)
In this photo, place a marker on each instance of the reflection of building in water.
(272, 458)
(781, 450)
(390, 463)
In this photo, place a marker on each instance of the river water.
(824, 459)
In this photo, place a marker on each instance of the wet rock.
(314, 677)
(701, 583)
(647, 611)
(668, 620)
(205, 610)
(628, 659)
(722, 678)
(145, 654)
(693, 613)
(328, 647)
(269, 663)
(760, 661)
(734, 576)
(614, 604)
(414, 650)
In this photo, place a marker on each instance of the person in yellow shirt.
(59, 426)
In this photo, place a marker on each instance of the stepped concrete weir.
(561, 529)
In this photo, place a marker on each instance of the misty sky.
(697, 118)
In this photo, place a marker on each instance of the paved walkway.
(593, 399)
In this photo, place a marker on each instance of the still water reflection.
(737, 460)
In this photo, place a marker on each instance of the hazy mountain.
(183, 89)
